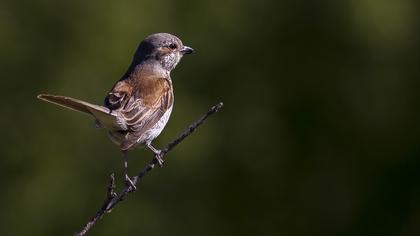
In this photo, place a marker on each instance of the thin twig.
(113, 199)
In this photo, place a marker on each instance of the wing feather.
(141, 117)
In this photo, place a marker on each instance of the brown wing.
(144, 109)
(119, 95)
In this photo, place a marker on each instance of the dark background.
(318, 135)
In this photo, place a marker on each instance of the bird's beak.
(186, 50)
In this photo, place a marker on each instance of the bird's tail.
(107, 118)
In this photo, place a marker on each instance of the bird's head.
(165, 48)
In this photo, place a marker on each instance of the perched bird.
(139, 104)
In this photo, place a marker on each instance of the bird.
(139, 104)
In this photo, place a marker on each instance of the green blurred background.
(318, 135)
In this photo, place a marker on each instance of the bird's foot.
(157, 153)
(159, 159)
(129, 183)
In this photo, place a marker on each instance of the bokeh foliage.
(318, 136)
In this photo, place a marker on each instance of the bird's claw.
(159, 160)
(129, 183)
(158, 154)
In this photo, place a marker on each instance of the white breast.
(152, 133)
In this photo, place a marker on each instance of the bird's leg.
(156, 152)
(127, 180)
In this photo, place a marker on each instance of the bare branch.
(113, 199)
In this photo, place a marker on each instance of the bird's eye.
(172, 46)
